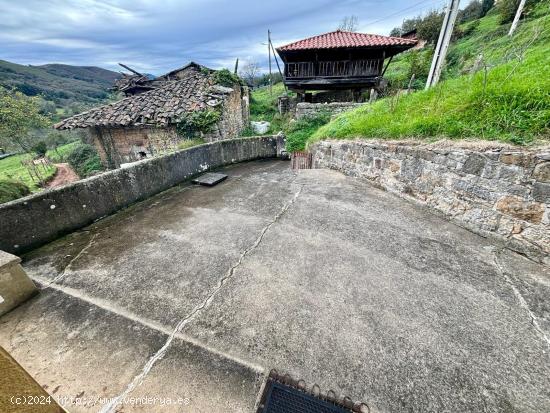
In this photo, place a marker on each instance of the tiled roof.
(159, 106)
(342, 39)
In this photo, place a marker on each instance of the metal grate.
(301, 160)
(285, 399)
(283, 394)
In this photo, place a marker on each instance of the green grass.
(10, 190)
(511, 103)
(11, 169)
(189, 143)
(263, 105)
(62, 152)
(299, 132)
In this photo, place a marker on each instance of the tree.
(430, 26)
(396, 32)
(471, 12)
(507, 9)
(40, 148)
(250, 72)
(486, 5)
(19, 115)
(349, 24)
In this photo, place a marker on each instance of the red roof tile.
(342, 39)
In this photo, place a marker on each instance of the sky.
(155, 36)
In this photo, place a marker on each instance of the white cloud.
(156, 36)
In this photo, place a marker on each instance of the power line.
(401, 11)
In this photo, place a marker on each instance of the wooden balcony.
(333, 69)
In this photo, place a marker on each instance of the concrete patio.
(194, 295)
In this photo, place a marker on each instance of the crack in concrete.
(137, 380)
(61, 275)
(522, 302)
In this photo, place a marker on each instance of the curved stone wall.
(498, 191)
(34, 220)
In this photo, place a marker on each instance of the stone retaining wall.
(501, 192)
(34, 220)
(311, 109)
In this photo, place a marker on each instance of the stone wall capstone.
(501, 193)
(29, 222)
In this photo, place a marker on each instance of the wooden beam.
(386, 68)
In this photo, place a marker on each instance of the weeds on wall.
(84, 160)
(225, 78)
(196, 124)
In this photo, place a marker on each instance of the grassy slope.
(512, 104)
(60, 155)
(11, 168)
(59, 83)
(263, 106)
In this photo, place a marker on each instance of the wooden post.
(443, 43)
(278, 67)
(517, 17)
(236, 65)
(373, 95)
(410, 83)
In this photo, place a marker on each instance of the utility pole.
(443, 43)
(516, 18)
(269, 54)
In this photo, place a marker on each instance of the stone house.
(146, 122)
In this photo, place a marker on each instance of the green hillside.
(494, 87)
(62, 84)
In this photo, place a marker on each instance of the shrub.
(198, 122)
(430, 26)
(507, 9)
(40, 148)
(298, 132)
(472, 11)
(226, 78)
(84, 160)
(10, 190)
(486, 5)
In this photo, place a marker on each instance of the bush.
(430, 26)
(298, 132)
(507, 9)
(10, 190)
(226, 78)
(84, 160)
(472, 11)
(40, 148)
(198, 122)
(486, 5)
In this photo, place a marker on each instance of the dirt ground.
(64, 175)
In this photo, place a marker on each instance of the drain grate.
(284, 395)
(285, 399)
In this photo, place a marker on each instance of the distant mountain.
(62, 84)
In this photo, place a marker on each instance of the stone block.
(519, 208)
(542, 172)
(474, 164)
(516, 158)
(15, 285)
(541, 192)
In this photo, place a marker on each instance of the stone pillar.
(15, 285)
